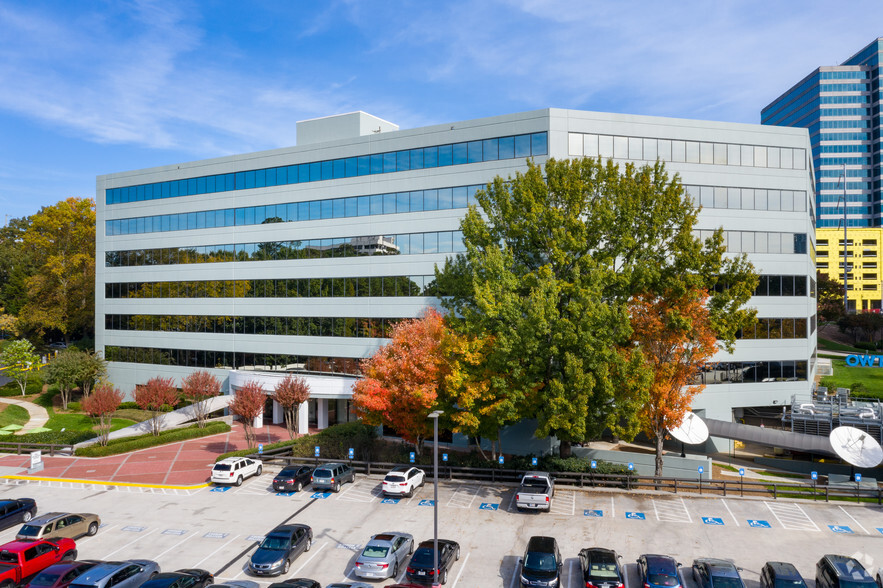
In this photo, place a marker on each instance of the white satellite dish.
(856, 447)
(691, 431)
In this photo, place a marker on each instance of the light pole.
(434, 416)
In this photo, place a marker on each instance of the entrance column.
(322, 412)
(303, 419)
(278, 413)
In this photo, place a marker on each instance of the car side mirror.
(680, 564)
(637, 561)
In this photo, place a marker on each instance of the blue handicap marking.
(594, 464)
(322, 495)
(635, 515)
(858, 477)
(488, 506)
(712, 521)
(593, 513)
(814, 475)
(220, 488)
(390, 501)
(758, 524)
(286, 493)
(840, 529)
(533, 461)
(426, 503)
(741, 471)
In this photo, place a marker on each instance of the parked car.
(779, 574)
(601, 568)
(15, 511)
(59, 524)
(709, 572)
(402, 480)
(421, 567)
(186, 578)
(332, 476)
(233, 470)
(541, 564)
(659, 571)
(117, 574)
(292, 478)
(21, 560)
(536, 491)
(840, 571)
(60, 575)
(279, 548)
(383, 555)
(297, 583)
(349, 585)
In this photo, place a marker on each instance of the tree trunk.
(564, 450)
(660, 435)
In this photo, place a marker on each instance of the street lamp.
(434, 416)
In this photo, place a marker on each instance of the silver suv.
(332, 476)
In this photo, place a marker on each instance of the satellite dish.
(691, 430)
(856, 447)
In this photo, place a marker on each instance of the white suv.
(402, 480)
(235, 469)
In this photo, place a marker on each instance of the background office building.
(300, 259)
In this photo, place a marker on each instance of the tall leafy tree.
(248, 404)
(553, 258)
(158, 395)
(61, 291)
(64, 371)
(101, 405)
(402, 379)
(93, 368)
(675, 338)
(17, 263)
(830, 297)
(199, 387)
(19, 361)
(291, 392)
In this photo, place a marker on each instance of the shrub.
(866, 345)
(150, 440)
(75, 407)
(129, 405)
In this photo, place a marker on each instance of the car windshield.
(375, 551)
(289, 472)
(666, 580)
(422, 557)
(544, 562)
(30, 530)
(274, 543)
(854, 584)
(44, 579)
(790, 584)
(394, 479)
(322, 473)
(725, 582)
(222, 467)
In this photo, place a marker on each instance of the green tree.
(551, 263)
(61, 292)
(830, 298)
(17, 264)
(19, 360)
(93, 368)
(64, 372)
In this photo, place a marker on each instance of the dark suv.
(840, 571)
(541, 565)
(332, 476)
(779, 574)
(279, 548)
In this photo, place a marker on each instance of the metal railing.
(51, 448)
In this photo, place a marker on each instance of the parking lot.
(216, 528)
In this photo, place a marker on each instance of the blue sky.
(88, 88)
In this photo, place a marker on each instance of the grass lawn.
(14, 415)
(828, 345)
(82, 422)
(845, 376)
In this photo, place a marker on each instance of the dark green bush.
(866, 345)
(128, 444)
(50, 437)
(130, 405)
(74, 407)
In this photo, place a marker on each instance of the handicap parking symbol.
(389, 501)
(220, 488)
(426, 503)
(758, 524)
(488, 506)
(593, 513)
(840, 529)
(322, 495)
(285, 493)
(639, 516)
(712, 521)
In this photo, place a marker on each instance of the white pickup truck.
(536, 491)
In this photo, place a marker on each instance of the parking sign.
(413, 457)
(444, 457)
(533, 461)
(858, 477)
(814, 475)
(317, 451)
(631, 466)
(260, 448)
(594, 464)
(501, 460)
(352, 453)
(701, 469)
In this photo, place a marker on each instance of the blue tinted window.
(191, 186)
(140, 194)
(315, 172)
(445, 155)
(470, 194)
(191, 220)
(230, 181)
(352, 167)
(338, 208)
(473, 151)
(240, 180)
(200, 220)
(303, 172)
(430, 157)
(240, 216)
(303, 211)
(326, 209)
(210, 184)
(260, 214)
(404, 244)
(460, 197)
(249, 215)
(364, 209)
(389, 203)
(430, 243)
(376, 204)
(228, 218)
(445, 242)
(364, 163)
(416, 159)
(490, 149)
(174, 222)
(327, 170)
(352, 207)
(339, 168)
(445, 199)
(538, 144)
(403, 202)
(459, 153)
(166, 189)
(403, 160)
(200, 185)
(377, 163)
(416, 201)
(417, 243)
(522, 146)
(389, 162)
(166, 223)
(261, 178)
(281, 176)
(249, 179)
(315, 210)
(292, 211)
(430, 199)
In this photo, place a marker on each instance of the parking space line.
(853, 519)
(215, 551)
(469, 491)
(803, 512)
(127, 544)
(511, 503)
(687, 512)
(612, 508)
(791, 517)
(671, 511)
(173, 547)
(315, 553)
(727, 506)
(463, 567)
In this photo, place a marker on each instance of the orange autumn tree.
(675, 336)
(402, 379)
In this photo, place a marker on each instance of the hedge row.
(128, 444)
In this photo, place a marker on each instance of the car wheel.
(93, 528)
(336, 487)
(411, 548)
(239, 481)
(444, 576)
(286, 566)
(457, 555)
(297, 486)
(309, 544)
(28, 516)
(409, 493)
(70, 555)
(258, 472)
(153, 575)
(422, 481)
(6, 584)
(395, 570)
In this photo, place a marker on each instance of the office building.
(299, 259)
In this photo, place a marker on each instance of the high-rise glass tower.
(840, 105)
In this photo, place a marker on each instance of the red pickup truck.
(21, 560)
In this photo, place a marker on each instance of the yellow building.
(863, 254)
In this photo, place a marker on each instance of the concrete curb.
(106, 483)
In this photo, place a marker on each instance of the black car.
(779, 574)
(292, 478)
(541, 564)
(421, 567)
(17, 511)
(840, 571)
(279, 548)
(659, 571)
(600, 568)
(187, 578)
(716, 573)
(297, 583)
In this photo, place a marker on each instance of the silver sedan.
(384, 555)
